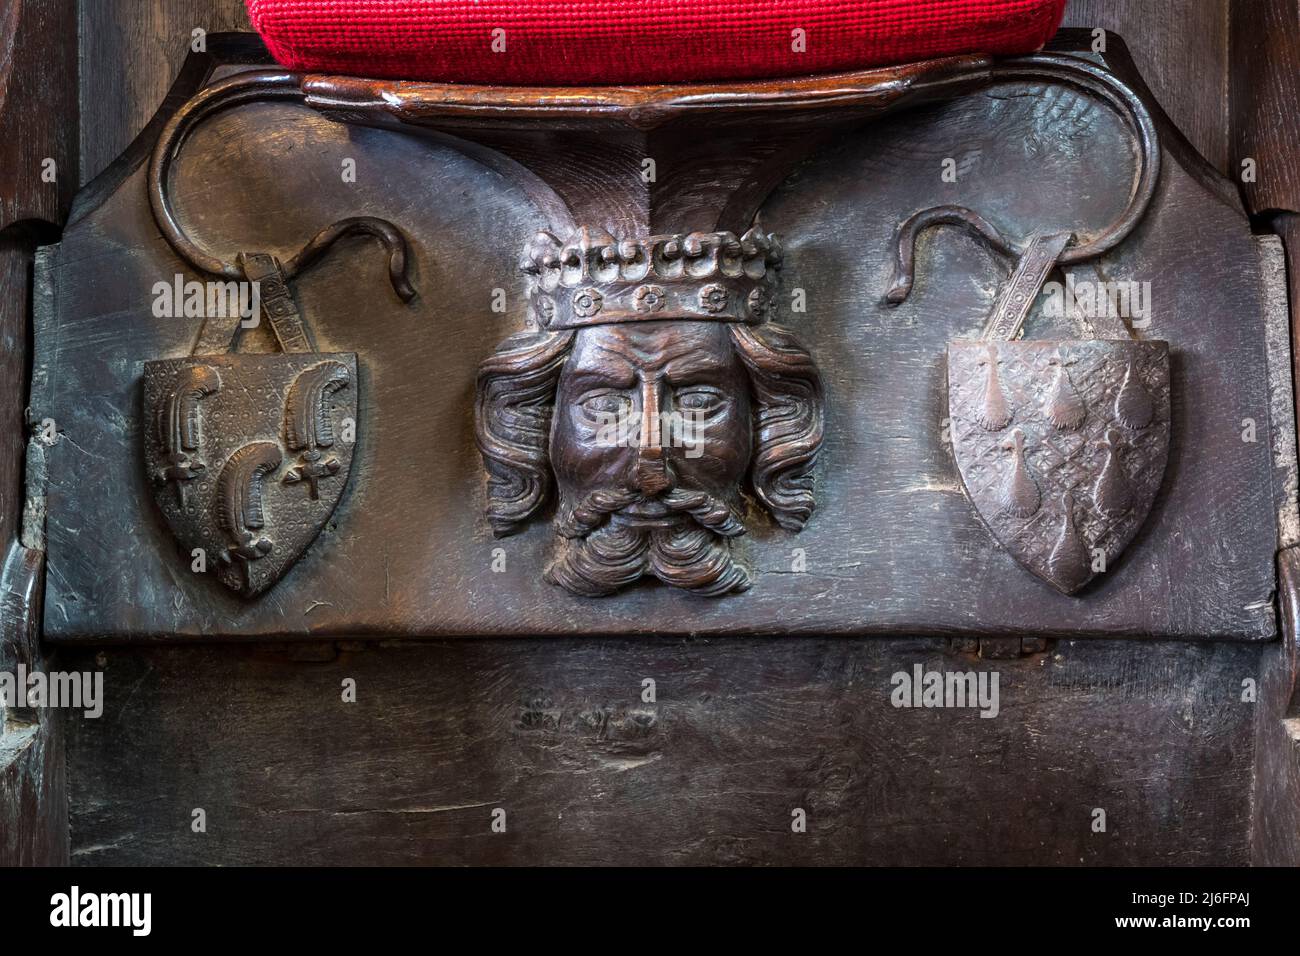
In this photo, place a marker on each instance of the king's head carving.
(659, 399)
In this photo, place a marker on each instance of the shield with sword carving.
(248, 454)
(247, 457)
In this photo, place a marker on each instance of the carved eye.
(699, 399)
(600, 404)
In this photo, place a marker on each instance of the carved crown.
(594, 279)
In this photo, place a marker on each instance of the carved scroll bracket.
(643, 161)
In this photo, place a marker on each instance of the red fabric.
(604, 42)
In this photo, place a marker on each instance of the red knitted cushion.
(604, 42)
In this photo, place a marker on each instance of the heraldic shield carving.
(248, 454)
(246, 457)
(1061, 446)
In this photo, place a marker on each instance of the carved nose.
(652, 475)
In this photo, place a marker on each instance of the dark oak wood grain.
(1265, 130)
(1183, 47)
(128, 55)
(1275, 810)
(1265, 100)
(38, 110)
(742, 732)
(38, 177)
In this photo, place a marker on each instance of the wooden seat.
(602, 42)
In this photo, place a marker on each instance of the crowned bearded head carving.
(659, 400)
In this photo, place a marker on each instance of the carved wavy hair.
(514, 399)
(516, 394)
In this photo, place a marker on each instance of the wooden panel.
(15, 294)
(1265, 80)
(556, 732)
(38, 177)
(33, 794)
(742, 732)
(33, 781)
(1182, 48)
(1266, 102)
(129, 55)
(1275, 800)
(37, 110)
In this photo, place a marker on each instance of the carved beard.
(602, 554)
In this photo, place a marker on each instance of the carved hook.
(900, 285)
(1053, 68)
(383, 230)
(242, 88)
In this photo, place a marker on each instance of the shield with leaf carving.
(248, 455)
(1061, 446)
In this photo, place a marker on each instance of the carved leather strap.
(1018, 297)
(277, 301)
(277, 304)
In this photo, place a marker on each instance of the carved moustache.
(615, 555)
(597, 507)
(603, 556)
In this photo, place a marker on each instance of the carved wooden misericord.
(659, 421)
